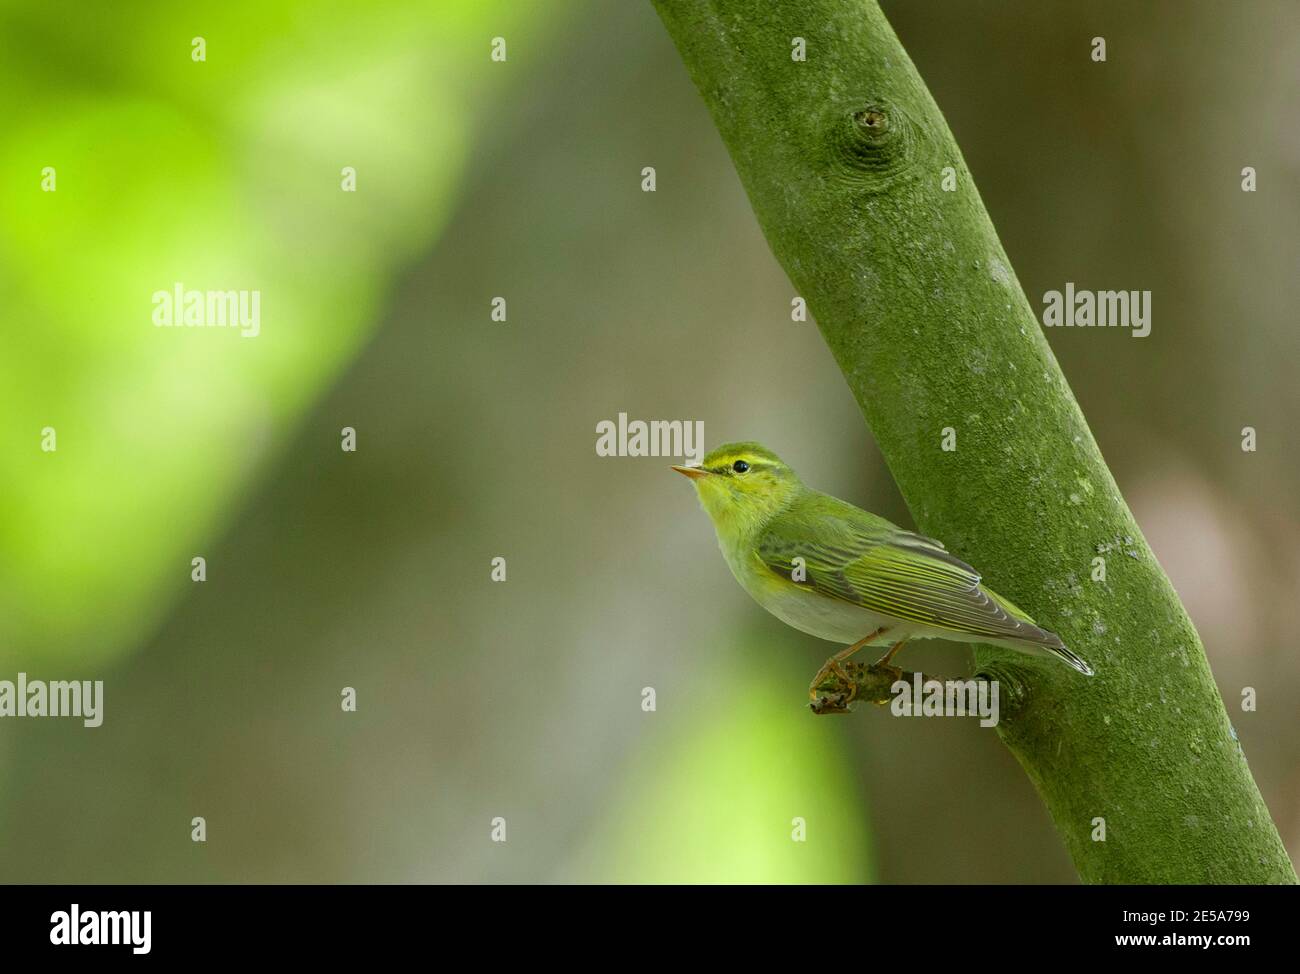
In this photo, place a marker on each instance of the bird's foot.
(846, 683)
(884, 661)
(835, 687)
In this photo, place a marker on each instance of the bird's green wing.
(858, 558)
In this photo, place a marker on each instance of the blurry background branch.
(844, 156)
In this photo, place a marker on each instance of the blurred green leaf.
(221, 175)
(717, 801)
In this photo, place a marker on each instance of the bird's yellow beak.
(695, 473)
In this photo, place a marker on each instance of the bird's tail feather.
(1044, 640)
(1063, 653)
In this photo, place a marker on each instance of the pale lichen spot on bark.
(998, 272)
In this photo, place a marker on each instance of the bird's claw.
(835, 687)
(846, 682)
(833, 696)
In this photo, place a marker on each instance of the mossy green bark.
(843, 157)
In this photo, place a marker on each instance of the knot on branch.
(874, 144)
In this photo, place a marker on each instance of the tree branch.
(843, 156)
(869, 684)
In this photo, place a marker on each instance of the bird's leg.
(884, 660)
(832, 665)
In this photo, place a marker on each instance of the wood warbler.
(837, 572)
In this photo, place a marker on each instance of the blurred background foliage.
(476, 439)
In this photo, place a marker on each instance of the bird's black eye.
(740, 466)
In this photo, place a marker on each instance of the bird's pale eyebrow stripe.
(753, 465)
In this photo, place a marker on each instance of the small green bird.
(837, 572)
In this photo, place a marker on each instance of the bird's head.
(741, 485)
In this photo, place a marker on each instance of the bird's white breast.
(802, 608)
(823, 617)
